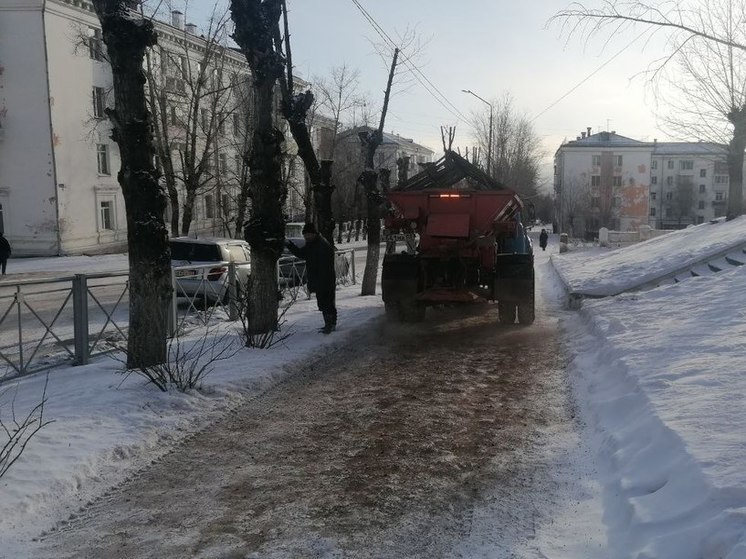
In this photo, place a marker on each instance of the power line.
(416, 72)
(596, 71)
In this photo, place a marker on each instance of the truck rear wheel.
(506, 313)
(526, 313)
(411, 311)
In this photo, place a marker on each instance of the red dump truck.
(464, 242)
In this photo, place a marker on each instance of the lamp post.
(489, 141)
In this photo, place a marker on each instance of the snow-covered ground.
(658, 376)
(661, 377)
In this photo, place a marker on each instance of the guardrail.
(44, 323)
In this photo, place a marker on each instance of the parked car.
(201, 266)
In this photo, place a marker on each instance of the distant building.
(349, 152)
(608, 180)
(59, 192)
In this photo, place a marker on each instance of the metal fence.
(44, 323)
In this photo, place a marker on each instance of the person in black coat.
(4, 252)
(543, 238)
(322, 279)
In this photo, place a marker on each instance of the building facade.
(58, 164)
(608, 180)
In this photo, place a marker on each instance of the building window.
(700, 219)
(618, 160)
(654, 180)
(701, 205)
(702, 188)
(719, 196)
(95, 44)
(595, 202)
(703, 173)
(653, 195)
(209, 206)
(596, 160)
(595, 180)
(721, 179)
(106, 215)
(669, 181)
(721, 168)
(686, 164)
(173, 117)
(652, 212)
(654, 164)
(205, 119)
(616, 181)
(669, 196)
(670, 164)
(102, 151)
(223, 162)
(99, 102)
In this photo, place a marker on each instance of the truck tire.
(506, 313)
(392, 311)
(411, 311)
(526, 313)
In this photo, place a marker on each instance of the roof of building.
(605, 139)
(388, 138)
(689, 148)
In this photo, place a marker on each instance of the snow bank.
(662, 376)
(604, 273)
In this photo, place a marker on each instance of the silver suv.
(201, 266)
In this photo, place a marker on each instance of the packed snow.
(658, 378)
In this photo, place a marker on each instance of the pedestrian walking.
(322, 280)
(543, 238)
(4, 252)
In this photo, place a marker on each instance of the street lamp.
(489, 141)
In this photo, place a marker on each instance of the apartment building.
(58, 164)
(608, 180)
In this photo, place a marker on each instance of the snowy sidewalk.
(662, 376)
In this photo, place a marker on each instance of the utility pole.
(489, 141)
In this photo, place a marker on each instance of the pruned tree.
(127, 36)
(516, 149)
(369, 181)
(256, 27)
(295, 108)
(705, 68)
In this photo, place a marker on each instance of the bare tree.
(256, 27)
(573, 201)
(516, 154)
(682, 205)
(192, 102)
(127, 36)
(338, 96)
(373, 198)
(708, 46)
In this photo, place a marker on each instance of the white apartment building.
(58, 164)
(608, 180)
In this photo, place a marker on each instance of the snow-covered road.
(454, 438)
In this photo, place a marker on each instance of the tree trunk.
(323, 202)
(256, 26)
(735, 163)
(369, 179)
(126, 37)
(188, 213)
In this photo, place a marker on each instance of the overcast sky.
(491, 47)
